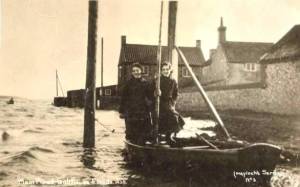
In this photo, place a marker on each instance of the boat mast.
(56, 83)
(156, 124)
(90, 95)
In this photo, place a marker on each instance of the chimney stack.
(123, 40)
(198, 43)
(222, 32)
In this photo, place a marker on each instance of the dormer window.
(251, 67)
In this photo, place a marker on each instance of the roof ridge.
(150, 45)
(286, 48)
(244, 52)
(136, 52)
(242, 42)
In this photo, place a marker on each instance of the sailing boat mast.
(56, 84)
(156, 125)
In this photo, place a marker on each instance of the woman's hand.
(122, 116)
(157, 93)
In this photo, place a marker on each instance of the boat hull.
(260, 158)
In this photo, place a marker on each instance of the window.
(98, 103)
(297, 67)
(185, 72)
(107, 92)
(250, 67)
(145, 70)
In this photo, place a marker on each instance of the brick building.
(146, 55)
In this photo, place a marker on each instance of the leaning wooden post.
(90, 94)
(202, 92)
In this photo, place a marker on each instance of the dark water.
(44, 146)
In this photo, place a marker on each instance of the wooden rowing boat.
(260, 158)
(257, 156)
(236, 157)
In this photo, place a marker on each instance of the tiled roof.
(244, 52)
(147, 54)
(286, 49)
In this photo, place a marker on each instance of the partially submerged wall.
(280, 95)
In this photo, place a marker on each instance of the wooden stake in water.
(90, 95)
(102, 62)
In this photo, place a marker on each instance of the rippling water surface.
(45, 145)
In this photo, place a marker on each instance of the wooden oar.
(202, 92)
(207, 142)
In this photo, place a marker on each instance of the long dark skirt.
(138, 128)
(170, 121)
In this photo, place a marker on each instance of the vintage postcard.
(149, 93)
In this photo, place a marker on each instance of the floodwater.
(44, 148)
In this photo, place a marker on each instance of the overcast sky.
(40, 36)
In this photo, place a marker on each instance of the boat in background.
(10, 101)
(58, 100)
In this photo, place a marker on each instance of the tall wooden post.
(172, 54)
(56, 84)
(102, 62)
(90, 95)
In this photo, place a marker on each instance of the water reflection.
(166, 175)
(88, 158)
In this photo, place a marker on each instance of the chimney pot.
(198, 43)
(123, 40)
(222, 32)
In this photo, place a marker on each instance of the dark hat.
(136, 64)
(166, 63)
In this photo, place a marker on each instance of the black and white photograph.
(140, 93)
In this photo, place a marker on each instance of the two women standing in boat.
(138, 101)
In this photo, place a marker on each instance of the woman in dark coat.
(169, 119)
(134, 107)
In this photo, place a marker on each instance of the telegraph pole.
(172, 53)
(90, 94)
